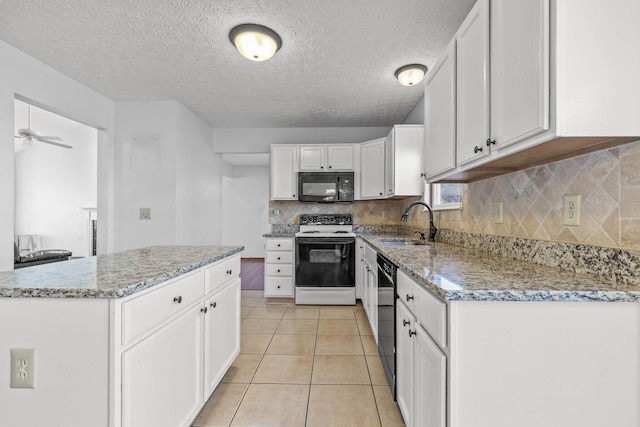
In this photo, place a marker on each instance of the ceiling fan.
(31, 135)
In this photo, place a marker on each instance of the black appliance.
(325, 187)
(387, 274)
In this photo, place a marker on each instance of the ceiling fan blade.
(50, 138)
(54, 143)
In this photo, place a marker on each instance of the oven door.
(325, 262)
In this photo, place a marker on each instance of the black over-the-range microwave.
(325, 187)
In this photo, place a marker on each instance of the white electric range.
(325, 260)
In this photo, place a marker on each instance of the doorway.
(56, 161)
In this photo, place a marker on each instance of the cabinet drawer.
(145, 312)
(279, 258)
(220, 274)
(278, 270)
(279, 244)
(278, 286)
(429, 311)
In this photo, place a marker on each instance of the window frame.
(432, 192)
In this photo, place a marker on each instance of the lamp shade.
(411, 74)
(255, 42)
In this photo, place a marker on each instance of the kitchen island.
(489, 340)
(134, 338)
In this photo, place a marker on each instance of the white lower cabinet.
(370, 291)
(162, 375)
(221, 334)
(430, 376)
(278, 267)
(405, 322)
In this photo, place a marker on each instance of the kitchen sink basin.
(401, 242)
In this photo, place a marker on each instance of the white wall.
(416, 116)
(258, 140)
(245, 204)
(169, 167)
(23, 75)
(52, 186)
(198, 183)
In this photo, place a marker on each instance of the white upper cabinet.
(326, 158)
(549, 97)
(372, 169)
(403, 161)
(519, 69)
(440, 115)
(472, 63)
(284, 168)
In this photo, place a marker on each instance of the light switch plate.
(23, 364)
(145, 213)
(571, 210)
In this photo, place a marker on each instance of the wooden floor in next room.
(301, 366)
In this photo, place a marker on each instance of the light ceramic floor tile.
(369, 345)
(282, 405)
(254, 343)
(349, 345)
(269, 312)
(337, 327)
(284, 369)
(221, 406)
(376, 372)
(387, 408)
(258, 326)
(280, 302)
(248, 293)
(244, 312)
(342, 405)
(340, 370)
(337, 313)
(302, 326)
(360, 315)
(249, 302)
(363, 327)
(242, 369)
(292, 344)
(301, 313)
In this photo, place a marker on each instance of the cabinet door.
(405, 323)
(283, 173)
(472, 65)
(440, 115)
(340, 157)
(390, 164)
(519, 69)
(430, 381)
(372, 169)
(408, 149)
(360, 268)
(313, 157)
(162, 375)
(221, 334)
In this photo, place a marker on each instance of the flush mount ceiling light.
(255, 42)
(411, 74)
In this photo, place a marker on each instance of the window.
(443, 196)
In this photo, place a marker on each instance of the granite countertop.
(113, 275)
(454, 273)
(279, 235)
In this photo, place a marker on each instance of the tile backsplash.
(608, 182)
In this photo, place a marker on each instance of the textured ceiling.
(335, 67)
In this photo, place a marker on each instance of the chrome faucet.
(432, 228)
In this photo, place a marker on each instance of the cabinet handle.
(390, 191)
(405, 322)
(177, 299)
(477, 149)
(329, 166)
(381, 194)
(278, 270)
(422, 174)
(293, 195)
(321, 167)
(278, 286)
(409, 298)
(212, 305)
(490, 142)
(229, 272)
(278, 245)
(203, 310)
(278, 258)
(411, 333)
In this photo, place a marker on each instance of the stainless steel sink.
(402, 242)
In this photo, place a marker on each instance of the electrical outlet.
(571, 211)
(145, 213)
(498, 215)
(23, 368)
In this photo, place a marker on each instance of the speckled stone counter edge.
(115, 292)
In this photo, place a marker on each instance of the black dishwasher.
(386, 319)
